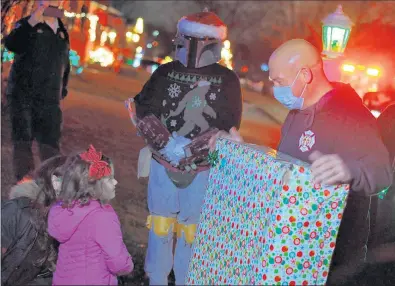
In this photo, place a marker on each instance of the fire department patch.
(306, 141)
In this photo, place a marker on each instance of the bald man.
(329, 126)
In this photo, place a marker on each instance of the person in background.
(385, 220)
(37, 83)
(28, 253)
(190, 95)
(386, 123)
(91, 250)
(382, 256)
(329, 126)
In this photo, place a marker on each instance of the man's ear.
(307, 75)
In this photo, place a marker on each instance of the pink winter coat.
(91, 250)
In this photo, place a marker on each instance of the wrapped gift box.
(264, 222)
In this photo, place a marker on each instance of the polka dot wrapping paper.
(264, 222)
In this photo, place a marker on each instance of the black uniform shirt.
(41, 67)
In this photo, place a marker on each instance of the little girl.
(91, 251)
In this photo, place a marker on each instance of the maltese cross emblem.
(306, 141)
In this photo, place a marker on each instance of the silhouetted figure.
(36, 85)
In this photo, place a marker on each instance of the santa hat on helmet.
(202, 25)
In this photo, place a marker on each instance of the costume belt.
(181, 179)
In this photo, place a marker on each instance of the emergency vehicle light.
(348, 68)
(372, 72)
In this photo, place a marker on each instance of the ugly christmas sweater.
(189, 100)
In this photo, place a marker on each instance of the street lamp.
(336, 29)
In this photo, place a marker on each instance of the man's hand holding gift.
(233, 134)
(329, 169)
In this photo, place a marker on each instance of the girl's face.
(109, 184)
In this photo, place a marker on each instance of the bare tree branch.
(252, 23)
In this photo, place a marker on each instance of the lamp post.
(336, 29)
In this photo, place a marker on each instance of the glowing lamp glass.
(336, 31)
(335, 39)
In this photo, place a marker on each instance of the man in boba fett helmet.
(189, 95)
(198, 42)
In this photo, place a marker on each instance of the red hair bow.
(98, 168)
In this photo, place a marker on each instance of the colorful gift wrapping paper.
(263, 222)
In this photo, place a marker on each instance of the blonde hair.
(78, 187)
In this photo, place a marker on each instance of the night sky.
(255, 21)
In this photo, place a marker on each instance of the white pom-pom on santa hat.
(202, 25)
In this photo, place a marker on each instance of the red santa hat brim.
(199, 30)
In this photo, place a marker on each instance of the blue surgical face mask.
(286, 97)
